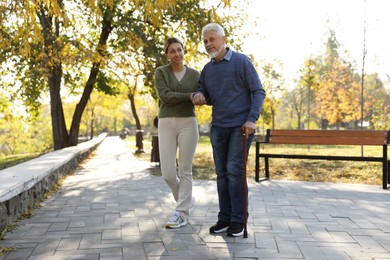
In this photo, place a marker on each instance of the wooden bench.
(326, 137)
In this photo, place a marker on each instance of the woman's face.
(175, 53)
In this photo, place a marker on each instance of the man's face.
(214, 44)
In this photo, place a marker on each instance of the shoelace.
(174, 217)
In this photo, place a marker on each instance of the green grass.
(9, 161)
(325, 171)
(292, 169)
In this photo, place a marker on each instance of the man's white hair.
(215, 27)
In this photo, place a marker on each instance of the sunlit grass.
(12, 160)
(323, 170)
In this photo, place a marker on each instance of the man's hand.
(198, 99)
(248, 128)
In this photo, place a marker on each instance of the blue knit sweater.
(233, 88)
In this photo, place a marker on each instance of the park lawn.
(12, 160)
(293, 169)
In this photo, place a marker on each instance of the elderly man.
(230, 83)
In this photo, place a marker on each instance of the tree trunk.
(59, 131)
(50, 31)
(80, 107)
(299, 120)
(134, 111)
(115, 130)
(92, 122)
(139, 134)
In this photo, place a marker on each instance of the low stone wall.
(24, 184)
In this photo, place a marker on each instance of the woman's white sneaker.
(176, 221)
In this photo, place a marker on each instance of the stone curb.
(24, 184)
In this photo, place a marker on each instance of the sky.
(293, 30)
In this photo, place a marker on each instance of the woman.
(177, 128)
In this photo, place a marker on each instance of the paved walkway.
(112, 208)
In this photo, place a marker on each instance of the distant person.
(124, 133)
(230, 83)
(177, 128)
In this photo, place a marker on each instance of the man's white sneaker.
(176, 221)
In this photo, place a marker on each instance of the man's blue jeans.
(227, 146)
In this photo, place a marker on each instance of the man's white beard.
(213, 54)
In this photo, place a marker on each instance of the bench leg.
(266, 166)
(257, 164)
(385, 174)
(388, 172)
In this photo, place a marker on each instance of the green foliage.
(4, 250)
(273, 83)
(7, 229)
(21, 132)
(106, 84)
(21, 135)
(376, 102)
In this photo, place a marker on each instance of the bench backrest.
(333, 137)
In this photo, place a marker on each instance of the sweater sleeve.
(167, 94)
(252, 81)
(201, 86)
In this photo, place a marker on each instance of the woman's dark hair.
(169, 41)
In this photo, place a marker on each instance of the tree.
(42, 47)
(54, 44)
(377, 102)
(297, 100)
(307, 83)
(102, 112)
(273, 83)
(337, 95)
(337, 92)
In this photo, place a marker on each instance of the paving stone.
(310, 252)
(18, 254)
(111, 207)
(111, 234)
(369, 244)
(154, 249)
(69, 243)
(342, 237)
(289, 248)
(90, 240)
(59, 226)
(265, 241)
